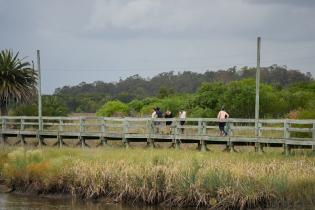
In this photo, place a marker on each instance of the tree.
(17, 80)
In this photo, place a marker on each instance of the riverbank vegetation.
(165, 177)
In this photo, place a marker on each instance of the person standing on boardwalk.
(182, 117)
(222, 116)
(168, 114)
(153, 116)
(159, 114)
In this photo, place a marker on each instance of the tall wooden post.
(313, 135)
(287, 148)
(150, 131)
(39, 93)
(204, 133)
(103, 129)
(257, 145)
(125, 131)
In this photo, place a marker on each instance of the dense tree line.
(284, 93)
(88, 97)
(238, 98)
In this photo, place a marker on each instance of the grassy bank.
(168, 177)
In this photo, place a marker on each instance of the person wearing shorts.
(222, 116)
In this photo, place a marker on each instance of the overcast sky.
(89, 40)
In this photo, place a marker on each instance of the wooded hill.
(283, 92)
(88, 97)
(183, 82)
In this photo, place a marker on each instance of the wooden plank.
(271, 128)
(298, 142)
(212, 127)
(304, 130)
(28, 132)
(244, 127)
(272, 121)
(138, 136)
(301, 121)
(71, 124)
(113, 126)
(28, 123)
(271, 140)
(243, 139)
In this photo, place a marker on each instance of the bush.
(174, 104)
(113, 109)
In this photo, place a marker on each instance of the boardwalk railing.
(203, 131)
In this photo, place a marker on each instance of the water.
(31, 202)
(27, 202)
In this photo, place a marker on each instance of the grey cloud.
(284, 2)
(125, 37)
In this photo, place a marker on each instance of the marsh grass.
(166, 177)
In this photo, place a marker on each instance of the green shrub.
(113, 108)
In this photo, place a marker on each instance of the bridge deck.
(203, 131)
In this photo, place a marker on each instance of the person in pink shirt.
(222, 116)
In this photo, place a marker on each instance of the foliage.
(113, 108)
(179, 178)
(17, 80)
(174, 104)
(282, 91)
(90, 97)
(84, 102)
(51, 105)
(238, 98)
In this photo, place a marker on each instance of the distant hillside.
(183, 85)
(182, 82)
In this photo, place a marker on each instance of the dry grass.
(166, 177)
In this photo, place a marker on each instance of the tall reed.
(166, 177)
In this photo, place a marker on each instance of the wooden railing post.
(204, 133)
(258, 145)
(2, 141)
(176, 132)
(150, 131)
(103, 129)
(82, 129)
(230, 145)
(40, 123)
(60, 129)
(230, 130)
(313, 135)
(82, 124)
(286, 134)
(199, 133)
(20, 136)
(61, 125)
(22, 127)
(125, 131)
(4, 123)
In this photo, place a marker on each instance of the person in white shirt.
(182, 117)
(154, 115)
(222, 116)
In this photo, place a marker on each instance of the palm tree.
(17, 80)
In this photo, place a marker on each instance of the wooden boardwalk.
(201, 131)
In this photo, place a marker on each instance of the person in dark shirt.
(159, 114)
(168, 114)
